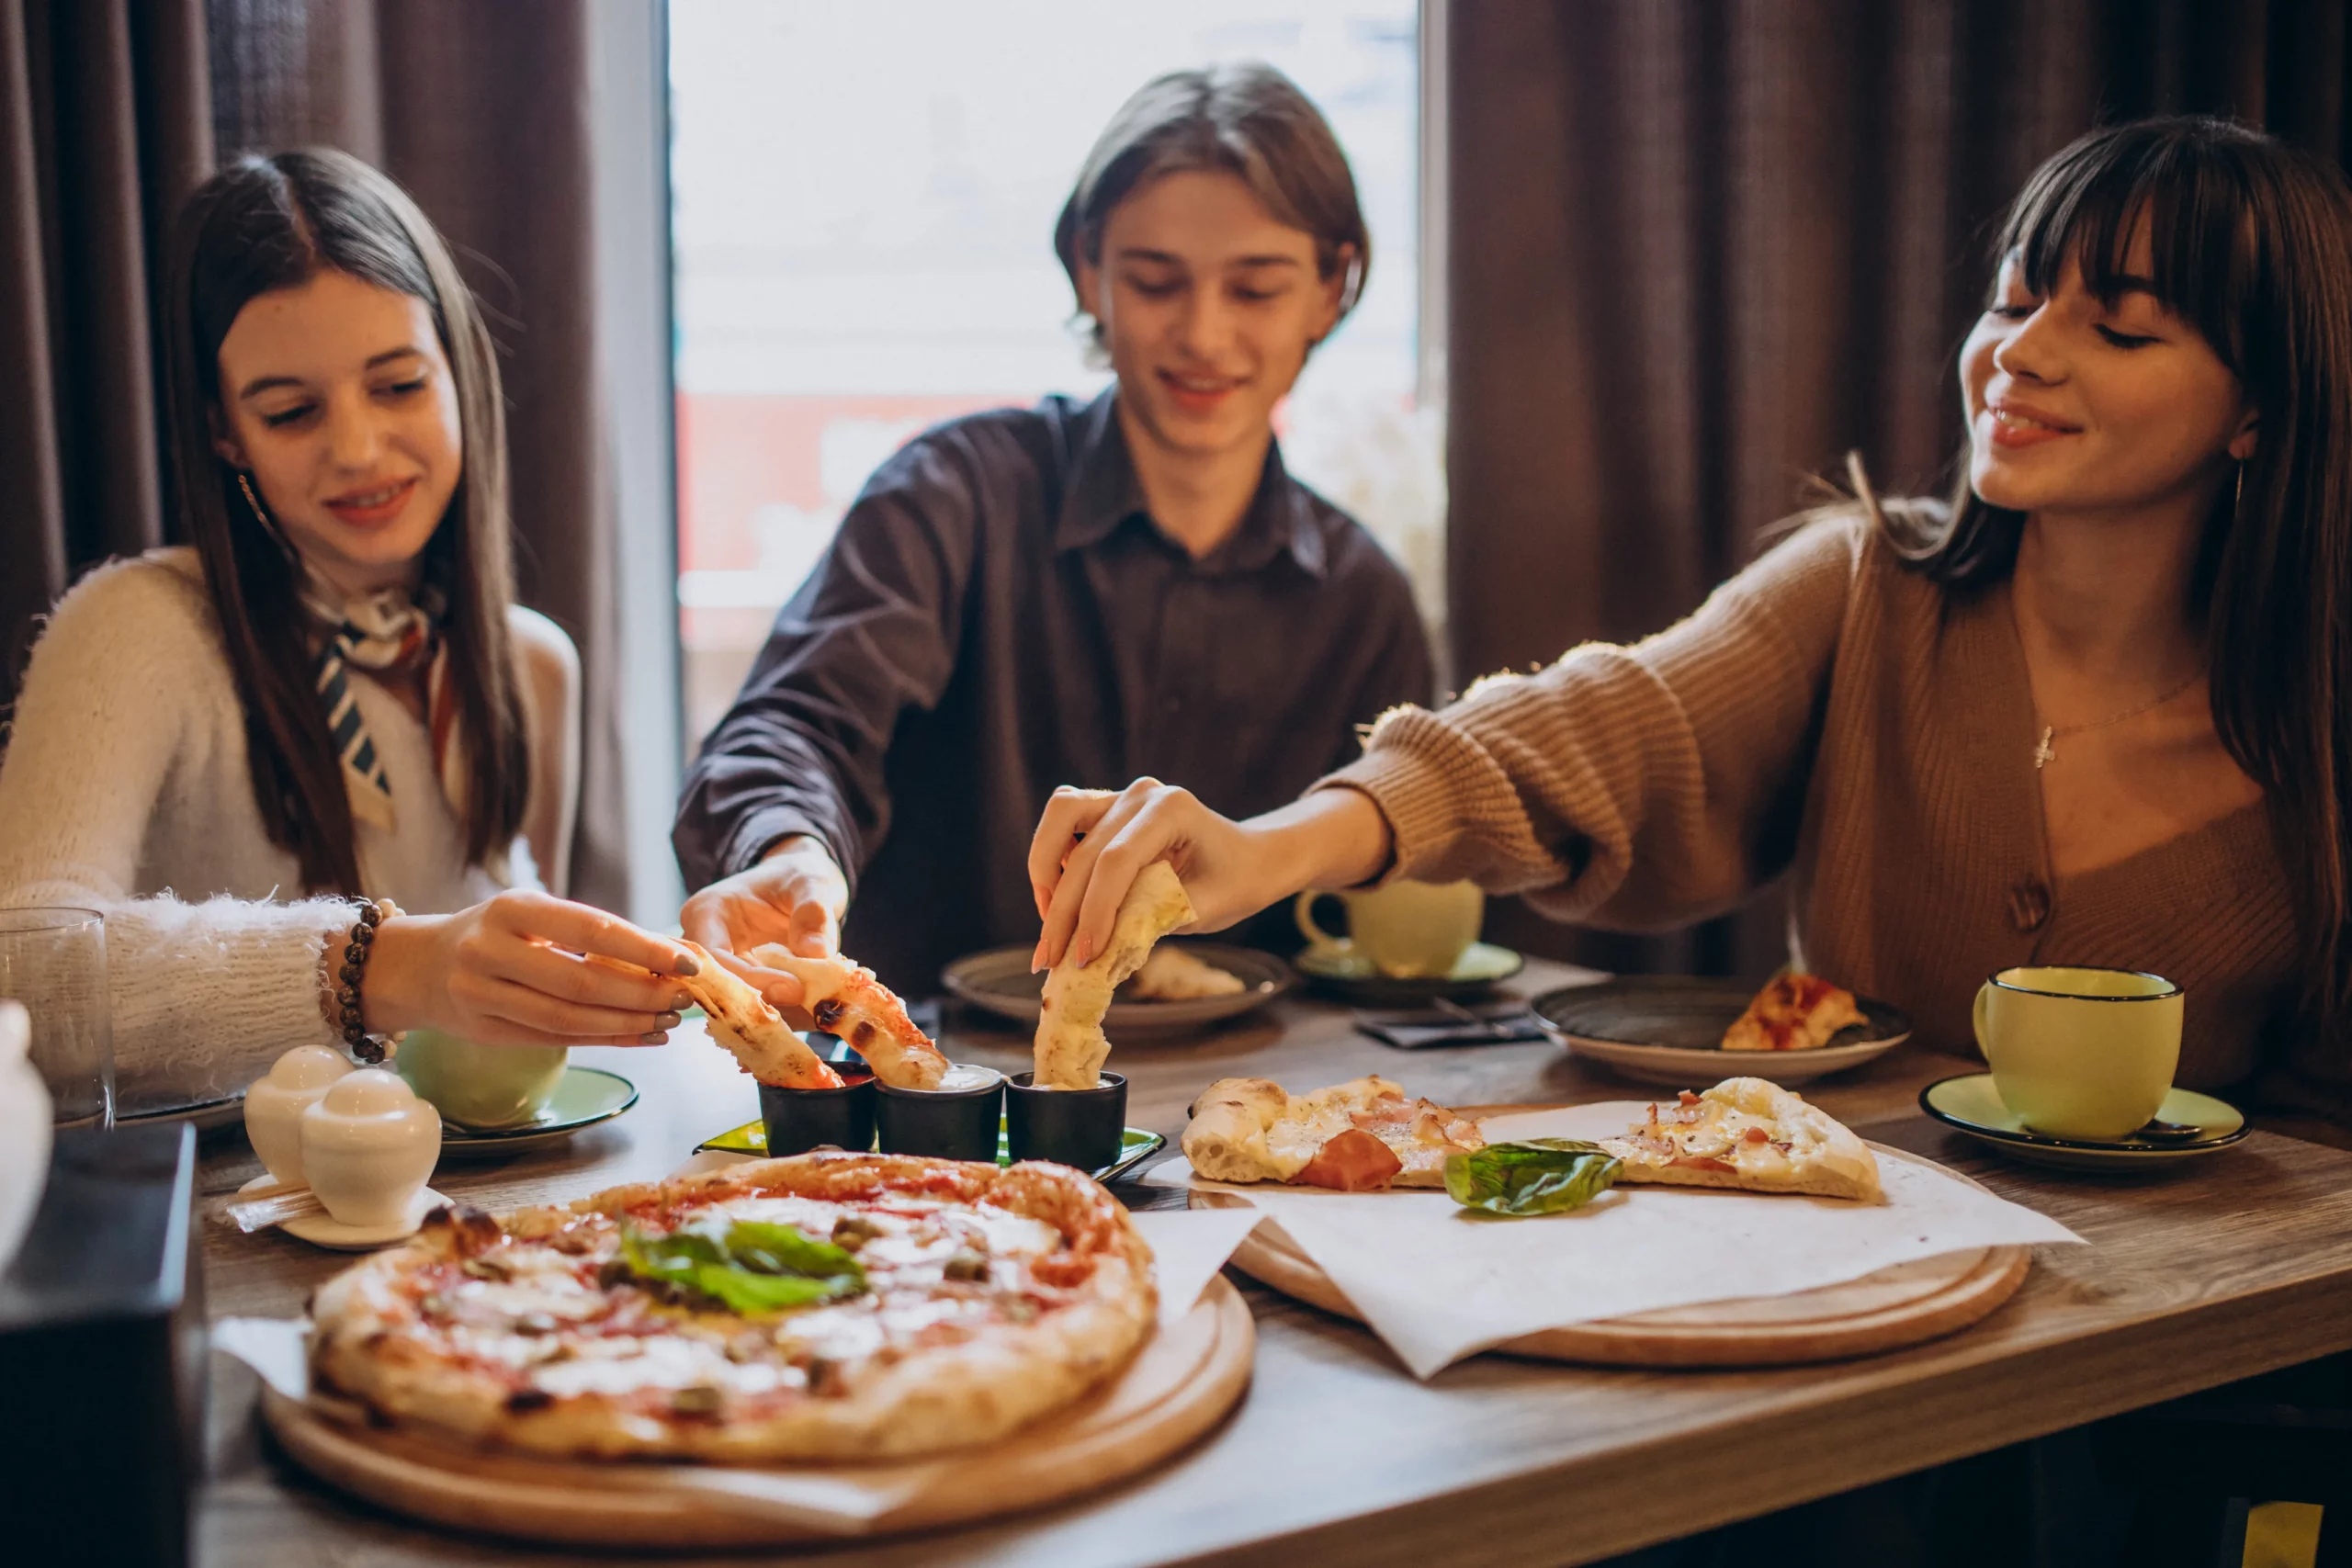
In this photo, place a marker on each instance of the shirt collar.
(1103, 492)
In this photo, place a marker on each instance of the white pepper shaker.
(369, 1147)
(274, 1106)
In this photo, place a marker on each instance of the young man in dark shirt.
(1078, 590)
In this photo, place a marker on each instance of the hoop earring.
(2237, 499)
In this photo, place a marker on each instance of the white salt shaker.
(369, 1147)
(24, 1129)
(275, 1104)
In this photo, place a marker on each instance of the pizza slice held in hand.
(1752, 1135)
(742, 1020)
(845, 998)
(1070, 1048)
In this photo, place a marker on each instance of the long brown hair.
(266, 223)
(2251, 243)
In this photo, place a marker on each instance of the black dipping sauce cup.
(799, 1120)
(943, 1124)
(1075, 1126)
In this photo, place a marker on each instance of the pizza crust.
(1172, 975)
(1226, 1140)
(366, 1340)
(1070, 1046)
(1706, 1141)
(1250, 1130)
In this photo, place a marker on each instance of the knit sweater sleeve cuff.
(1451, 813)
(205, 997)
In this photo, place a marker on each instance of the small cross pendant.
(2041, 752)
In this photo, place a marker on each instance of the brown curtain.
(115, 108)
(105, 126)
(1700, 249)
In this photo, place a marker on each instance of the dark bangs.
(2193, 181)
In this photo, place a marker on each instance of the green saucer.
(584, 1097)
(1355, 976)
(1970, 1104)
(1135, 1144)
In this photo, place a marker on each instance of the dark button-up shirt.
(998, 615)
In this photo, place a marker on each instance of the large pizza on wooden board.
(827, 1306)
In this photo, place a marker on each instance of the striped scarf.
(390, 633)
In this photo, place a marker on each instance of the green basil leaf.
(780, 1250)
(749, 1265)
(1535, 1176)
(747, 1291)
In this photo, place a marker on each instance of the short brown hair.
(1247, 119)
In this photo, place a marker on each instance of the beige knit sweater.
(1829, 714)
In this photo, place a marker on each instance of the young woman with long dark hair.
(2093, 711)
(331, 699)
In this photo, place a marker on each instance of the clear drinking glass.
(55, 961)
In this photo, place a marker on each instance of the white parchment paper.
(1437, 1283)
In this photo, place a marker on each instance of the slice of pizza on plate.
(1357, 1136)
(1172, 975)
(1794, 1012)
(1752, 1135)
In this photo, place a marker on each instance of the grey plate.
(1000, 981)
(1669, 1029)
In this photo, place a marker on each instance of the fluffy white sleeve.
(203, 996)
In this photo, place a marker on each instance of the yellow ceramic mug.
(2080, 1052)
(481, 1086)
(1409, 931)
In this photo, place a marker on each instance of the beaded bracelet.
(372, 1049)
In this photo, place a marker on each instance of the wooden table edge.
(1905, 1424)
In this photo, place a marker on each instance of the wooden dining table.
(2199, 1274)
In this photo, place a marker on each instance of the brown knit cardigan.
(1830, 714)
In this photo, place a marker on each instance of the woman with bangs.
(2090, 711)
(305, 768)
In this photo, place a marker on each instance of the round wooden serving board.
(1182, 1383)
(1886, 1311)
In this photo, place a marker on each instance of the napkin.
(1437, 1283)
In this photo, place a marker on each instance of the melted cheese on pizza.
(1750, 1133)
(560, 1314)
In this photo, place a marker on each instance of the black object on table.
(1448, 1022)
(102, 1349)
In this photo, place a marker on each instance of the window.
(863, 204)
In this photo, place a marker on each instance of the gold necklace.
(2043, 753)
